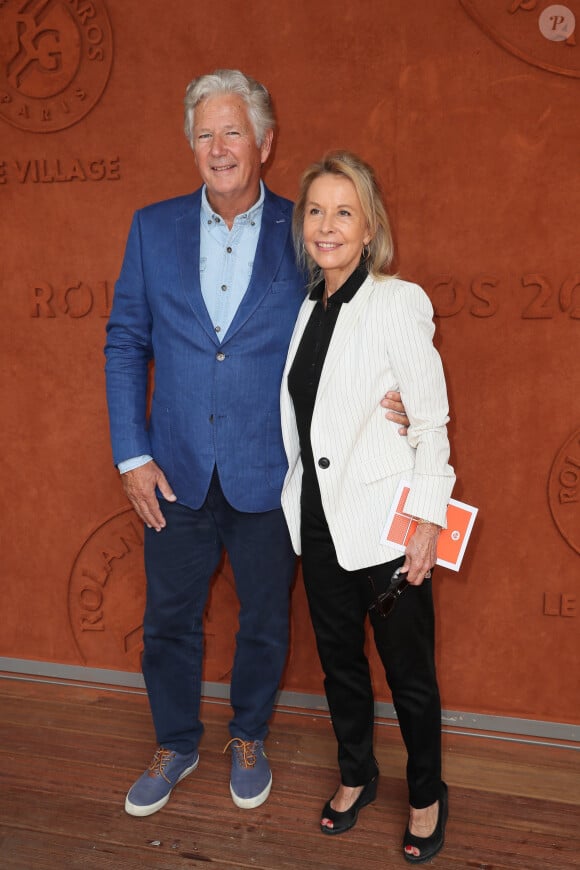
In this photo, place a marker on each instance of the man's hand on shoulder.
(396, 410)
(139, 485)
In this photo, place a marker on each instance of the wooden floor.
(69, 753)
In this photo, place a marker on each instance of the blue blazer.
(213, 404)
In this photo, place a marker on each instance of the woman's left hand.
(421, 553)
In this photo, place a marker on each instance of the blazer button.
(324, 462)
(220, 356)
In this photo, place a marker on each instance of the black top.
(304, 375)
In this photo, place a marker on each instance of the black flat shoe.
(428, 846)
(342, 822)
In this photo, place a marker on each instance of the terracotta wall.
(470, 114)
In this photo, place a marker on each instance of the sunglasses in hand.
(384, 602)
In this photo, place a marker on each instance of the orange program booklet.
(452, 540)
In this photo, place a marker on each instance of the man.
(209, 290)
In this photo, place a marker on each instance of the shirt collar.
(254, 213)
(346, 291)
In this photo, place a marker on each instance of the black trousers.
(405, 641)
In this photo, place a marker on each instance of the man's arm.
(128, 352)
(396, 410)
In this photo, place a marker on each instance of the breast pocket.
(282, 285)
(281, 294)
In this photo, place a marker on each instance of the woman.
(358, 333)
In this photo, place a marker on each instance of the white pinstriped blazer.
(382, 341)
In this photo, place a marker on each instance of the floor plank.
(68, 754)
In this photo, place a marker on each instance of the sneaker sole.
(149, 809)
(251, 803)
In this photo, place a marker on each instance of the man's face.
(226, 153)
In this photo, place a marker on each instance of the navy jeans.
(179, 563)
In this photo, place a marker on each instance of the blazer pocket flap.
(378, 467)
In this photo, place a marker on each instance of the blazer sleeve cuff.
(429, 497)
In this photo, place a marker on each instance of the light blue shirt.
(226, 259)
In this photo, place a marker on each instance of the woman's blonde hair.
(345, 163)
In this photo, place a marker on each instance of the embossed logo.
(106, 601)
(106, 596)
(55, 61)
(564, 491)
(537, 32)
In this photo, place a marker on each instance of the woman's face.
(335, 229)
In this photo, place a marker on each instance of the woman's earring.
(366, 252)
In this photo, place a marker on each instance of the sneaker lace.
(245, 751)
(160, 761)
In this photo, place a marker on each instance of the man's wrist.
(135, 462)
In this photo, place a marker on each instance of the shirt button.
(218, 329)
(324, 462)
(210, 221)
(224, 286)
(220, 357)
(229, 250)
(252, 223)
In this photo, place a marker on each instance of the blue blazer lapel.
(187, 242)
(274, 232)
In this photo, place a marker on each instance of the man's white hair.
(231, 81)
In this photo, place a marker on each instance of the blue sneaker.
(251, 778)
(153, 788)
